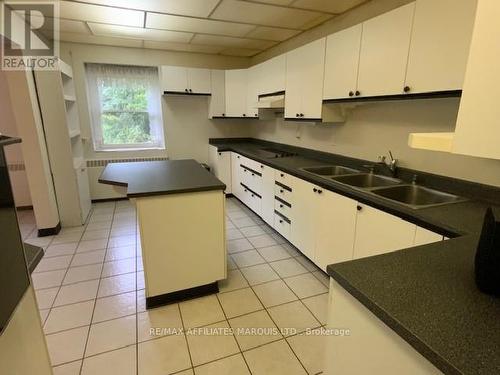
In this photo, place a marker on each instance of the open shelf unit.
(57, 98)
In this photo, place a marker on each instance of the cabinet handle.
(262, 166)
(244, 170)
(320, 191)
(246, 190)
(407, 89)
(220, 153)
(244, 115)
(223, 115)
(253, 174)
(282, 175)
(186, 90)
(256, 114)
(296, 115)
(253, 195)
(315, 190)
(190, 90)
(359, 208)
(301, 115)
(351, 93)
(357, 93)
(281, 206)
(281, 191)
(281, 221)
(238, 156)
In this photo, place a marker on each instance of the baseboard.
(44, 232)
(182, 295)
(109, 199)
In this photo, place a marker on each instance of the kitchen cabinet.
(236, 93)
(378, 232)
(477, 131)
(342, 62)
(267, 194)
(424, 237)
(440, 41)
(82, 180)
(384, 52)
(220, 163)
(252, 91)
(272, 75)
(236, 187)
(302, 234)
(304, 81)
(177, 79)
(217, 104)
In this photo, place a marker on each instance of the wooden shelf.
(432, 141)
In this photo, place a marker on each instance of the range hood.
(272, 101)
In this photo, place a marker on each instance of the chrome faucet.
(391, 165)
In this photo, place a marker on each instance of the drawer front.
(283, 193)
(282, 226)
(284, 178)
(282, 208)
(252, 179)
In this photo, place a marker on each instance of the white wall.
(373, 129)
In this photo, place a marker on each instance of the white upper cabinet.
(217, 104)
(378, 232)
(478, 129)
(252, 91)
(304, 81)
(272, 75)
(342, 62)
(236, 93)
(199, 81)
(177, 79)
(441, 36)
(384, 52)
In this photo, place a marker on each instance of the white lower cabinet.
(424, 237)
(220, 163)
(378, 232)
(304, 217)
(267, 193)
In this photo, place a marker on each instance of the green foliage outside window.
(125, 117)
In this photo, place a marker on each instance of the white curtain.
(107, 75)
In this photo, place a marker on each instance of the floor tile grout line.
(95, 299)
(184, 334)
(136, 302)
(234, 338)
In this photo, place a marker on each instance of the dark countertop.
(34, 255)
(426, 294)
(160, 177)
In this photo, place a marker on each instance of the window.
(125, 107)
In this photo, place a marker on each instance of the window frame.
(156, 127)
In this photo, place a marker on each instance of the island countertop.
(160, 177)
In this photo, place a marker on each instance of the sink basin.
(330, 170)
(274, 153)
(417, 196)
(367, 180)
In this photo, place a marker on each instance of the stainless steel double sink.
(410, 195)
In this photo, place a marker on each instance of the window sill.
(129, 149)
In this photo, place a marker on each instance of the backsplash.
(372, 129)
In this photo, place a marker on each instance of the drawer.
(282, 225)
(252, 179)
(284, 178)
(283, 193)
(282, 208)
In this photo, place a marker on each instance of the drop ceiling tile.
(182, 47)
(227, 41)
(97, 13)
(272, 33)
(195, 8)
(331, 6)
(323, 18)
(262, 14)
(274, 2)
(69, 26)
(92, 39)
(242, 52)
(196, 25)
(139, 33)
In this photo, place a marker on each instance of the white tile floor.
(90, 291)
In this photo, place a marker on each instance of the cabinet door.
(378, 232)
(342, 62)
(313, 78)
(83, 191)
(236, 93)
(441, 36)
(252, 91)
(478, 131)
(199, 81)
(267, 194)
(293, 84)
(272, 74)
(384, 52)
(217, 106)
(302, 232)
(220, 162)
(335, 228)
(174, 79)
(424, 237)
(236, 176)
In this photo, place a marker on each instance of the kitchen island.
(180, 212)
